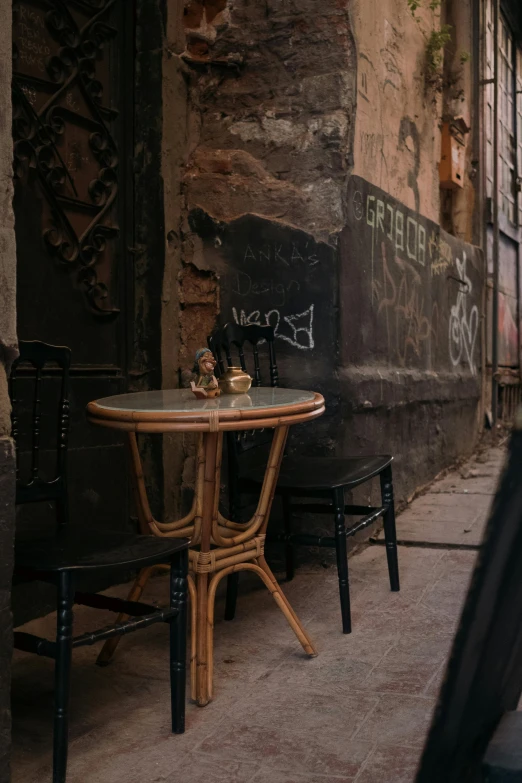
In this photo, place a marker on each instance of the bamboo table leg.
(212, 442)
(207, 563)
(273, 586)
(224, 547)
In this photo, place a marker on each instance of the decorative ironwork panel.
(65, 145)
(73, 96)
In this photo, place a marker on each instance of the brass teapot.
(235, 381)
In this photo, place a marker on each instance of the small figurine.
(206, 384)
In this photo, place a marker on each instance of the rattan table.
(218, 545)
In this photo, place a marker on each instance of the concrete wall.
(8, 349)
(308, 123)
(411, 336)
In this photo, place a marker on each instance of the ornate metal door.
(73, 80)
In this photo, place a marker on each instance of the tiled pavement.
(358, 712)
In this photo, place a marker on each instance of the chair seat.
(316, 473)
(77, 550)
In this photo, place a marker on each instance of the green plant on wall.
(436, 42)
(414, 4)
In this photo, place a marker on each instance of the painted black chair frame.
(223, 342)
(61, 558)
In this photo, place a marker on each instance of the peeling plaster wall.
(397, 137)
(398, 120)
(8, 351)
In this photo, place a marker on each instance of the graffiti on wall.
(423, 286)
(274, 274)
(400, 296)
(275, 291)
(296, 329)
(463, 322)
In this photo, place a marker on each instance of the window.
(510, 117)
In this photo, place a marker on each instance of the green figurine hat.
(199, 353)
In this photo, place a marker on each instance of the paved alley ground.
(358, 712)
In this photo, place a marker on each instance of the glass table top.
(183, 401)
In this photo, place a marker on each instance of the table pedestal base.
(203, 594)
(219, 547)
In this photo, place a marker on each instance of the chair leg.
(178, 640)
(289, 549)
(341, 551)
(62, 675)
(390, 534)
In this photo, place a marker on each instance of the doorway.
(79, 115)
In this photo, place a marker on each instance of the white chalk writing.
(463, 329)
(440, 254)
(243, 285)
(31, 39)
(297, 330)
(406, 233)
(280, 253)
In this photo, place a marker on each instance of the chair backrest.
(232, 338)
(45, 368)
(225, 342)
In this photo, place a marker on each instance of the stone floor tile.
(373, 558)
(434, 685)
(349, 716)
(272, 709)
(401, 721)
(267, 775)
(445, 519)
(401, 672)
(446, 598)
(279, 747)
(390, 764)
(198, 768)
(424, 621)
(368, 641)
(332, 755)
(482, 484)
(435, 648)
(333, 668)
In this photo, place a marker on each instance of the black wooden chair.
(64, 553)
(318, 478)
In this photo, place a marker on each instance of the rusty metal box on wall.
(453, 154)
